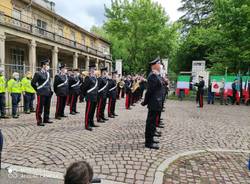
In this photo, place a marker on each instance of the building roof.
(59, 17)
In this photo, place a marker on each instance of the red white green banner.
(183, 83)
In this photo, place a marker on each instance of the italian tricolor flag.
(183, 82)
(216, 84)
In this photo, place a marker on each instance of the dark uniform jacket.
(75, 85)
(112, 89)
(61, 85)
(200, 86)
(103, 87)
(128, 85)
(153, 96)
(38, 83)
(90, 88)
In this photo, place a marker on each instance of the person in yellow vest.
(2, 93)
(14, 87)
(28, 93)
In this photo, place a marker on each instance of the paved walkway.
(116, 149)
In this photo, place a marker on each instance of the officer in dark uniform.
(128, 85)
(112, 95)
(61, 88)
(74, 90)
(41, 83)
(153, 99)
(200, 92)
(103, 87)
(90, 91)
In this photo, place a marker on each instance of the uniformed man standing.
(14, 87)
(42, 85)
(28, 93)
(153, 99)
(103, 87)
(128, 85)
(74, 90)
(112, 95)
(90, 91)
(2, 93)
(61, 88)
(200, 92)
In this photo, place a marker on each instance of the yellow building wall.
(6, 7)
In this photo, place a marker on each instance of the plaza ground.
(116, 149)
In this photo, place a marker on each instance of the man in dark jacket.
(153, 99)
(112, 95)
(74, 90)
(103, 87)
(90, 91)
(61, 88)
(41, 83)
(200, 92)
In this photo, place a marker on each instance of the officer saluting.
(103, 85)
(90, 91)
(74, 90)
(41, 83)
(112, 95)
(153, 99)
(61, 88)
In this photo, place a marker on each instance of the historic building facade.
(31, 30)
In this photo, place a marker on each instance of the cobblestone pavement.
(116, 149)
(208, 168)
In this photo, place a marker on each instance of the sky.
(87, 13)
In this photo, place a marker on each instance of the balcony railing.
(37, 31)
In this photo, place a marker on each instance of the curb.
(159, 174)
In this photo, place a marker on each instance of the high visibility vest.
(14, 86)
(2, 84)
(26, 85)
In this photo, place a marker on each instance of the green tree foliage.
(221, 37)
(140, 31)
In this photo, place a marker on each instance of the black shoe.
(100, 121)
(73, 113)
(105, 119)
(57, 117)
(111, 116)
(32, 111)
(15, 116)
(77, 112)
(40, 124)
(27, 112)
(4, 117)
(95, 126)
(155, 141)
(63, 116)
(152, 146)
(48, 121)
(115, 115)
(160, 126)
(157, 135)
(89, 129)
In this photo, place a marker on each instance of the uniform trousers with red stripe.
(101, 105)
(128, 100)
(111, 106)
(199, 98)
(89, 113)
(43, 107)
(151, 123)
(73, 102)
(123, 93)
(60, 105)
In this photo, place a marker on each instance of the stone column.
(54, 60)
(75, 60)
(32, 56)
(87, 63)
(2, 49)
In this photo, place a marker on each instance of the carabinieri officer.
(103, 85)
(90, 91)
(112, 95)
(74, 90)
(61, 88)
(41, 83)
(153, 99)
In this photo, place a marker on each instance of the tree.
(141, 30)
